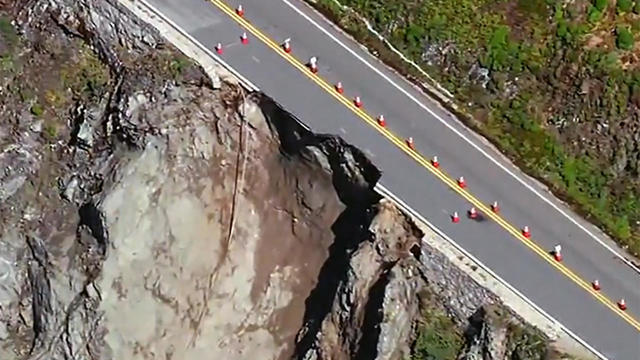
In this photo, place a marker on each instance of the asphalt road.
(580, 311)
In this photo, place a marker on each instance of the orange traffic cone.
(495, 207)
(357, 102)
(526, 232)
(435, 162)
(461, 182)
(455, 218)
(596, 285)
(339, 88)
(622, 305)
(286, 45)
(557, 253)
(381, 121)
(219, 48)
(240, 10)
(473, 213)
(313, 64)
(410, 143)
(244, 39)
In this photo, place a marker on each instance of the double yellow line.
(586, 285)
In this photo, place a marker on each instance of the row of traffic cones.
(473, 213)
(312, 64)
(622, 304)
(357, 101)
(595, 284)
(313, 67)
(244, 39)
(286, 45)
(556, 253)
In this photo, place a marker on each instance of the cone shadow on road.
(478, 217)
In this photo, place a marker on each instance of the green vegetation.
(559, 73)
(438, 339)
(600, 4)
(54, 98)
(523, 343)
(177, 65)
(36, 109)
(624, 6)
(9, 37)
(8, 32)
(6, 63)
(624, 39)
(165, 64)
(87, 77)
(50, 130)
(46, 80)
(594, 15)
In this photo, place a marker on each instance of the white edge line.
(381, 189)
(402, 205)
(457, 132)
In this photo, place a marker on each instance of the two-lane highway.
(561, 290)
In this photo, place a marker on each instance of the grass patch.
(624, 38)
(50, 131)
(624, 6)
(7, 63)
(54, 98)
(8, 32)
(9, 36)
(438, 338)
(600, 5)
(87, 77)
(178, 65)
(37, 109)
(523, 343)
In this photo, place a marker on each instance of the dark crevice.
(353, 178)
(476, 322)
(416, 251)
(40, 291)
(91, 217)
(348, 236)
(373, 314)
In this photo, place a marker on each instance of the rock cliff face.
(146, 213)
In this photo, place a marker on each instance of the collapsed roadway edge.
(551, 322)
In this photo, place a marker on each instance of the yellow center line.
(399, 142)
